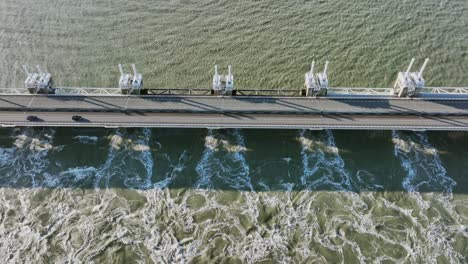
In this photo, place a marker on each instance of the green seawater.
(269, 43)
(233, 196)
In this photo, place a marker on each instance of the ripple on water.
(210, 223)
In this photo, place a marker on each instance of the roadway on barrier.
(368, 113)
(219, 121)
(235, 105)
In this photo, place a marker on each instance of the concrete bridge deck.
(217, 121)
(433, 113)
(213, 104)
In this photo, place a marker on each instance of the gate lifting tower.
(129, 84)
(409, 84)
(39, 82)
(316, 85)
(223, 84)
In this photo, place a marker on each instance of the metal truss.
(179, 91)
(361, 91)
(14, 91)
(88, 91)
(66, 91)
(240, 92)
(261, 92)
(447, 90)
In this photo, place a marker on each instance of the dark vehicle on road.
(77, 118)
(32, 118)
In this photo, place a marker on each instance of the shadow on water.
(241, 160)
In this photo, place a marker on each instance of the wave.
(172, 225)
(422, 163)
(430, 189)
(223, 161)
(33, 161)
(86, 139)
(129, 162)
(25, 163)
(323, 167)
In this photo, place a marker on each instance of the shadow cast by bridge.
(455, 104)
(356, 105)
(277, 104)
(84, 103)
(155, 103)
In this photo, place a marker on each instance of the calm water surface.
(233, 196)
(270, 43)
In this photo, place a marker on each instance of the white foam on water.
(431, 188)
(164, 225)
(6, 156)
(160, 240)
(129, 164)
(223, 160)
(127, 153)
(422, 163)
(323, 167)
(116, 141)
(176, 170)
(24, 166)
(77, 176)
(145, 156)
(86, 139)
(24, 163)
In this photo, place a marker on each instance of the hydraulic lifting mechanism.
(316, 84)
(223, 84)
(39, 82)
(131, 84)
(409, 84)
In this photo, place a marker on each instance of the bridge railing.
(88, 91)
(239, 92)
(447, 90)
(179, 91)
(268, 92)
(361, 91)
(14, 91)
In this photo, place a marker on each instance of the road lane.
(235, 112)
(202, 104)
(200, 120)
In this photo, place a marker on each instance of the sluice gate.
(407, 85)
(409, 105)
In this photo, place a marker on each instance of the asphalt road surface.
(234, 112)
(251, 105)
(205, 120)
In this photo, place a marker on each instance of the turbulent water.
(143, 195)
(233, 196)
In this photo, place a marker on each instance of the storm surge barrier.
(409, 105)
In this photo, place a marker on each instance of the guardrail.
(179, 91)
(240, 92)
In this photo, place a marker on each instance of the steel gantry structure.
(409, 105)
